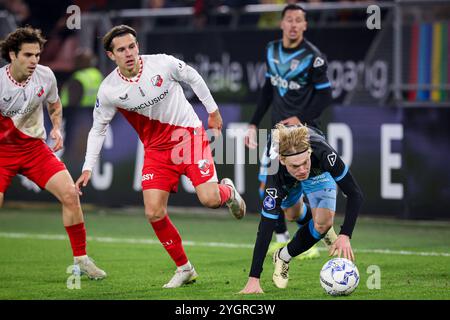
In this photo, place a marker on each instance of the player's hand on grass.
(342, 247)
(56, 135)
(215, 122)
(83, 181)
(250, 137)
(291, 121)
(252, 286)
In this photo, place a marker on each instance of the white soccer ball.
(339, 277)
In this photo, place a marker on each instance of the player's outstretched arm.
(343, 247)
(83, 180)
(252, 286)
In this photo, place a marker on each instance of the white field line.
(13, 235)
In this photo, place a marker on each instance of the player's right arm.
(103, 113)
(271, 209)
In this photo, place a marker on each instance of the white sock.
(284, 255)
(282, 237)
(79, 258)
(186, 266)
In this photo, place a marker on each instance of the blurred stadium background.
(389, 118)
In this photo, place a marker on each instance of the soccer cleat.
(87, 266)
(281, 271)
(236, 204)
(311, 253)
(181, 277)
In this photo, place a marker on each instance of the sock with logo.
(170, 238)
(77, 237)
(304, 238)
(225, 193)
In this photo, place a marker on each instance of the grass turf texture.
(32, 268)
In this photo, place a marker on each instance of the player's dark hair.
(117, 31)
(292, 6)
(14, 40)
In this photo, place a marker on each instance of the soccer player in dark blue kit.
(309, 166)
(299, 90)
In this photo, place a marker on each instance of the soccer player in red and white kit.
(146, 90)
(24, 86)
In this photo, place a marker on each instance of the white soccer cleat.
(281, 271)
(87, 266)
(236, 204)
(181, 277)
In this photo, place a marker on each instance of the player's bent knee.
(323, 227)
(154, 214)
(70, 199)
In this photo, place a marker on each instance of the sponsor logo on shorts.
(148, 176)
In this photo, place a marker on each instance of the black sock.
(280, 225)
(306, 217)
(304, 238)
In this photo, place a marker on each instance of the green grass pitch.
(413, 258)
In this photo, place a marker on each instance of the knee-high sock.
(306, 215)
(170, 238)
(280, 225)
(77, 237)
(304, 238)
(225, 193)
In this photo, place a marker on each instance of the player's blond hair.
(291, 140)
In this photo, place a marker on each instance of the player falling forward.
(24, 86)
(146, 90)
(309, 166)
(298, 89)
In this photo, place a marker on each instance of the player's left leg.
(214, 195)
(155, 202)
(200, 169)
(1, 199)
(61, 185)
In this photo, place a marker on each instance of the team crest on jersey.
(332, 158)
(40, 91)
(157, 80)
(294, 64)
(269, 203)
(318, 62)
(204, 166)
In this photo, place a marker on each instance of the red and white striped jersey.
(21, 113)
(153, 102)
